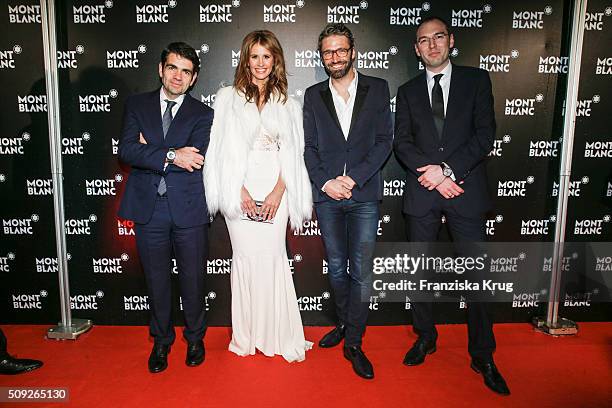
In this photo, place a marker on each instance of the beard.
(340, 73)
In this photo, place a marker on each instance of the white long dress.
(265, 313)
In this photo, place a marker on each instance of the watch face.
(447, 172)
(170, 155)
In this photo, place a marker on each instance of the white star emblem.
(608, 11)
(606, 218)
(35, 217)
(80, 49)
(530, 179)
(596, 291)
(172, 3)
(522, 255)
(10, 256)
(539, 97)
(575, 255)
(118, 178)
(108, 3)
(514, 53)
(553, 218)
(68, 256)
(426, 6)
(325, 295)
(386, 219)
(487, 8)
(455, 52)
(86, 136)
(393, 50)
(211, 295)
(100, 294)
(596, 98)
(125, 257)
(44, 293)
(142, 48)
(363, 4)
(382, 295)
(236, 3)
(17, 49)
(93, 218)
(25, 136)
(297, 258)
(113, 93)
(499, 218)
(205, 48)
(548, 10)
(299, 92)
(300, 3)
(585, 180)
(506, 139)
(2, 178)
(543, 292)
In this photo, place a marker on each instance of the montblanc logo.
(207, 300)
(219, 266)
(7, 57)
(75, 145)
(14, 145)
(68, 59)
(124, 59)
(375, 59)
(39, 187)
(522, 107)
(574, 188)
(530, 20)
(125, 227)
(24, 14)
(553, 65)
(91, 13)
(46, 265)
(544, 148)
(208, 99)
(82, 226)
(109, 265)
(522, 300)
(407, 16)
(235, 58)
(281, 13)
(115, 146)
(307, 59)
(491, 224)
(497, 62)
(598, 149)
(86, 302)
(537, 226)
(313, 303)
(578, 299)
(585, 106)
(217, 13)
(609, 190)
(136, 302)
(514, 188)
(604, 66)
(102, 187)
(393, 187)
(385, 219)
(204, 49)
(469, 17)
(591, 226)
(97, 103)
(506, 264)
(603, 264)
(32, 103)
(29, 301)
(498, 146)
(309, 228)
(154, 13)
(345, 14)
(297, 258)
(19, 226)
(595, 21)
(4, 262)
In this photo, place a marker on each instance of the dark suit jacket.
(467, 139)
(365, 150)
(190, 127)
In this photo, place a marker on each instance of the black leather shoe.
(492, 378)
(158, 360)
(11, 366)
(333, 338)
(195, 353)
(361, 364)
(420, 349)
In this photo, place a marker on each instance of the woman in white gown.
(254, 170)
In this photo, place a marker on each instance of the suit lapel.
(328, 100)
(362, 92)
(157, 136)
(453, 98)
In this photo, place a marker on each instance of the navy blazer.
(467, 139)
(190, 127)
(367, 147)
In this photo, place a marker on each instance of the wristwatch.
(170, 156)
(446, 170)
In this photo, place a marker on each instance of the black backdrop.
(110, 49)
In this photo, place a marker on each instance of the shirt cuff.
(323, 188)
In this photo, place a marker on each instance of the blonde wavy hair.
(277, 81)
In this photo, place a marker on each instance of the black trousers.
(3, 352)
(481, 341)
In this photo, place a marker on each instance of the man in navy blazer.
(164, 137)
(444, 131)
(348, 136)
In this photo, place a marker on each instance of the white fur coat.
(235, 126)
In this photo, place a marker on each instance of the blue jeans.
(345, 226)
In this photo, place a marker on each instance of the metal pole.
(553, 323)
(68, 328)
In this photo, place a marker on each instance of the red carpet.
(107, 368)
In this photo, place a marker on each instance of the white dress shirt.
(163, 103)
(344, 109)
(444, 83)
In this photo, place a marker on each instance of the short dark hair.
(184, 50)
(433, 18)
(336, 29)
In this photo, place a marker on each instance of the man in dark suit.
(348, 137)
(10, 365)
(444, 130)
(164, 137)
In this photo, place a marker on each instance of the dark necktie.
(437, 105)
(166, 121)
